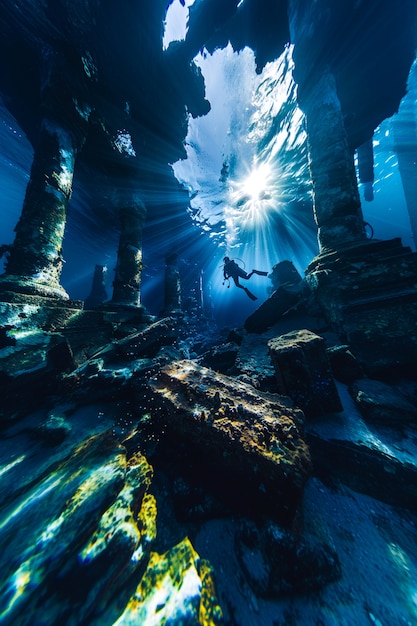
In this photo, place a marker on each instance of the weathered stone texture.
(345, 366)
(248, 444)
(126, 284)
(337, 206)
(368, 294)
(381, 403)
(303, 372)
(270, 311)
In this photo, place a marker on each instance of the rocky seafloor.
(162, 479)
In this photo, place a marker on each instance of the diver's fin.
(251, 296)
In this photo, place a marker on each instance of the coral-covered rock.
(247, 445)
(177, 588)
(76, 538)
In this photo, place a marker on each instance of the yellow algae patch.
(146, 524)
(210, 611)
(172, 591)
(119, 519)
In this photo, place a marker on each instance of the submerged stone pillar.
(404, 127)
(98, 294)
(172, 285)
(126, 284)
(35, 259)
(365, 154)
(337, 207)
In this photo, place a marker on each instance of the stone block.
(345, 366)
(284, 273)
(270, 311)
(380, 403)
(303, 372)
(246, 445)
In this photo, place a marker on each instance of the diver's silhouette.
(232, 270)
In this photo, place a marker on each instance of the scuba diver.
(232, 270)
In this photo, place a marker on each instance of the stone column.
(337, 207)
(126, 284)
(35, 260)
(365, 154)
(404, 130)
(172, 285)
(98, 294)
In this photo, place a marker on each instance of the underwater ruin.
(172, 450)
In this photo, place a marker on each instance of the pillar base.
(136, 312)
(368, 295)
(21, 313)
(31, 286)
(342, 232)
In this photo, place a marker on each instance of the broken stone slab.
(375, 460)
(345, 366)
(247, 445)
(381, 403)
(92, 331)
(143, 343)
(303, 372)
(114, 367)
(270, 311)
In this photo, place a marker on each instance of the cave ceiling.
(108, 59)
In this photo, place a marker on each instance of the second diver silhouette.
(232, 270)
